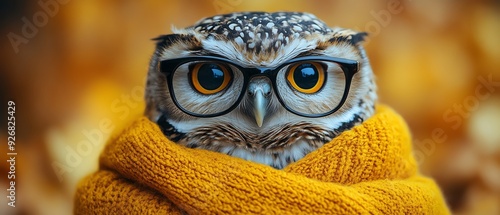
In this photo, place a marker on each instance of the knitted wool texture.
(366, 170)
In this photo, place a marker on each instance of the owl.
(265, 87)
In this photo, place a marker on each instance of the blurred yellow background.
(80, 70)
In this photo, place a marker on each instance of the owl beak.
(259, 92)
(260, 107)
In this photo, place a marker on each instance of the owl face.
(266, 87)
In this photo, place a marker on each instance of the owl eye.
(209, 78)
(306, 77)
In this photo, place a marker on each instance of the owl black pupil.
(306, 76)
(210, 76)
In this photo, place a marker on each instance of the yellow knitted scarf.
(366, 170)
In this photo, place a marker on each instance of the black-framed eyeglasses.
(210, 86)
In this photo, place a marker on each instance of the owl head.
(265, 87)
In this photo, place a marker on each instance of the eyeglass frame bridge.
(349, 67)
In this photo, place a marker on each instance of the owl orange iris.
(306, 77)
(210, 78)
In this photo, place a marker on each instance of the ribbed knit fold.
(366, 170)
